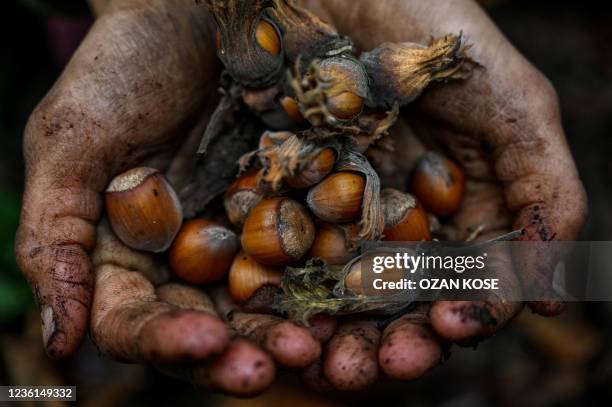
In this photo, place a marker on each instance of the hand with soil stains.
(133, 95)
(130, 96)
(504, 128)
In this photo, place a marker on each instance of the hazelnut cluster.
(307, 190)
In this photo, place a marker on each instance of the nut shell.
(438, 183)
(241, 197)
(291, 107)
(268, 38)
(247, 276)
(338, 198)
(347, 83)
(345, 106)
(203, 251)
(144, 210)
(405, 218)
(331, 245)
(352, 280)
(278, 231)
(315, 171)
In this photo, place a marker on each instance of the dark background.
(563, 361)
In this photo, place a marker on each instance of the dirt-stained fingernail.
(48, 324)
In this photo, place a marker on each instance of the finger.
(130, 323)
(350, 357)
(470, 321)
(322, 327)
(110, 250)
(243, 370)
(185, 297)
(76, 138)
(290, 344)
(314, 377)
(519, 126)
(483, 208)
(409, 347)
(55, 237)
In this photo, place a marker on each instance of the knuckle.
(26, 250)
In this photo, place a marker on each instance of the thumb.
(61, 205)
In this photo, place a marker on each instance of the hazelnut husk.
(338, 198)
(203, 251)
(438, 183)
(314, 170)
(405, 218)
(278, 231)
(144, 210)
(399, 72)
(246, 276)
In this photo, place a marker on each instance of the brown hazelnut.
(315, 170)
(331, 245)
(241, 197)
(278, 231)
(144, 210)
(405, 218)
(246, 276)
(438, 183)
(203, 251)
(338, 198)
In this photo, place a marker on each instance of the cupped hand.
(134, 94)
(503, 127)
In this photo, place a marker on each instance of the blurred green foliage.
(15, 296)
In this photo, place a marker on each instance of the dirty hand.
(503, 126)
(132, 95)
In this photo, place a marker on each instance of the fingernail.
(48, 324)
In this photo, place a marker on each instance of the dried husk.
(237, 135)
(304, 34)
(324, 79)
(285, 160)
(247, 62)
(371, 223)
(399, 72)
(320, 288)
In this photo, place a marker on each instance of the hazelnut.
(278, 231)
(292, 108)
(203, 251)
(241, 197)
(352, 280)
(331, 245)
(438, 183)
(405, 218)
(246, 276)
(267, 37)
(338, 198)
(144, 210)
(315, 170)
